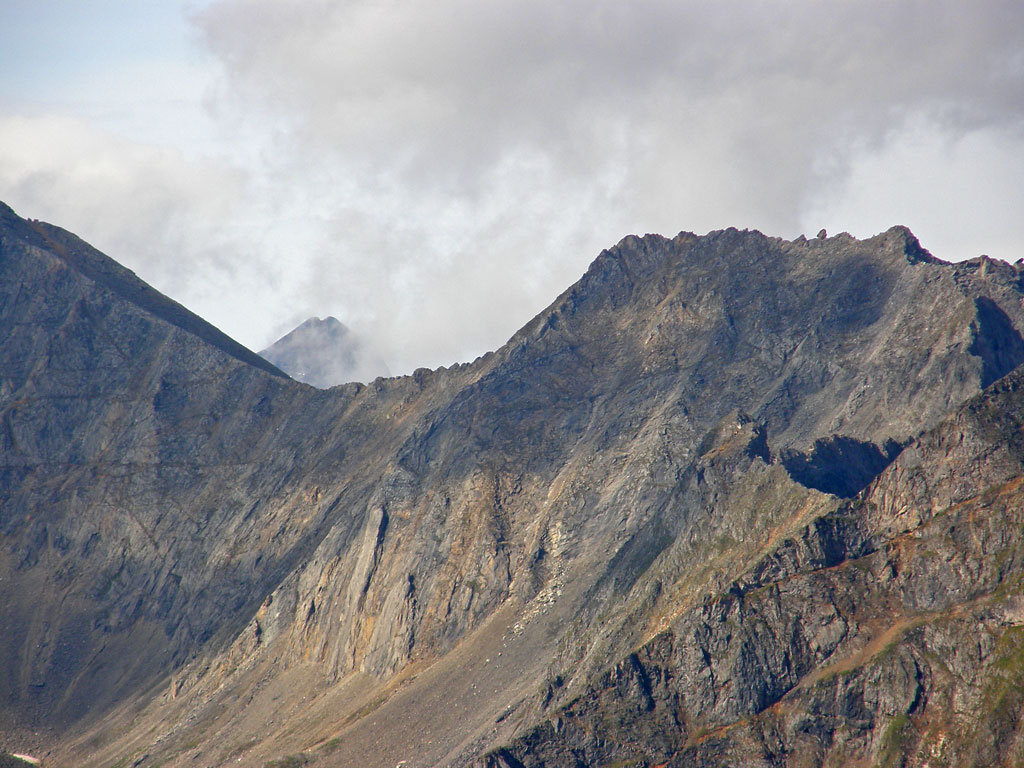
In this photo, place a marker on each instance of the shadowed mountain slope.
(204, 561)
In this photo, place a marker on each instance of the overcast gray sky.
(434, 174)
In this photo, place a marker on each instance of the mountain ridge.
(102, 269)
(506, 533)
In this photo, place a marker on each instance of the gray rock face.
(885, 632)
(725, 500)
(114, 435)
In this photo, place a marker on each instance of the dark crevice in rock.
(645, 693)
(995, 341)
(502, 758)
(758, 446)
(842, 466)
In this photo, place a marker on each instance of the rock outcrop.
(729, 498)
(885, 632)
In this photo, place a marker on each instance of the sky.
(434, 174)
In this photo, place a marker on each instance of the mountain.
(322, 353)
(730, 499)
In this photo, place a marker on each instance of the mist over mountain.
(324, 353)
(729, 499)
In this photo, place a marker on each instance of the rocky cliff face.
(885, 632)
(728, 498)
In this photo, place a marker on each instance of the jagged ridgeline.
(729, 500)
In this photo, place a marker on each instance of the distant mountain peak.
(329, 325)
(327, 322)
(320, 352)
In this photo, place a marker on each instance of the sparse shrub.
(289, 761)
(7, 760)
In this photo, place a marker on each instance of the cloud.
(439, 95)
(435, 174)
(960, 190)
(173, 220)
(464, 160)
